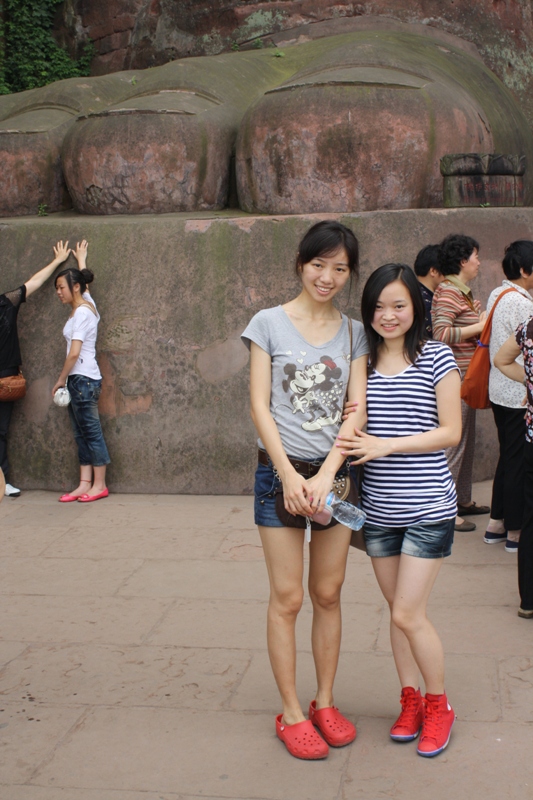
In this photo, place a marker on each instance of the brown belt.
(303, 468)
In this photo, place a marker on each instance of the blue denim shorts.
(266, 483)
(422, 539)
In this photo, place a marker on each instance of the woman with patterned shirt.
(507, 397)
(505, 360)
(458, 321)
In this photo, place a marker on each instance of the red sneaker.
(407, 726)
(439, 717)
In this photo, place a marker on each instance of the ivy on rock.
(29, 55)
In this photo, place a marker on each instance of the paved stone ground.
(134, 663)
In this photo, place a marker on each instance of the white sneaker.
(11, 491)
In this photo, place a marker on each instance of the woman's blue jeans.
(83, 413)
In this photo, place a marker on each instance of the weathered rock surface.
(365, 124)
(344, 123)
(134, 34)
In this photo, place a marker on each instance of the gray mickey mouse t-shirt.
(308, 382)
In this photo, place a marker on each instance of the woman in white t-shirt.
(83, 379)
(414, 412)
(300, 365)
(507, 397)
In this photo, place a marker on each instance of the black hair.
(72, 275)
(452, 250)
(377, 282)
(427, 258)
(518, 255)
(324, 239)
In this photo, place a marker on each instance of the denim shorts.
(421, 539)
(266, 483)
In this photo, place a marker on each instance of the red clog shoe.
(301, 739)
(334, 727)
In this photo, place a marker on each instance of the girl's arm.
(73, 354)
(80, 253)
(505, 360)
(365, 447)
(61, 252)
(294, 485)
(320, 485)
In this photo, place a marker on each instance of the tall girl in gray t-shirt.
(301, 364)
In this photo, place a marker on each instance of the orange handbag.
(12, 388)
(475, 385)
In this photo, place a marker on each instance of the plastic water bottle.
(343, 512)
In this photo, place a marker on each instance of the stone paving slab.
(132, 639)
(486, 760)
(104, 675)
(207, 752)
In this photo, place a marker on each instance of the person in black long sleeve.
(10, 358)
(429, 276)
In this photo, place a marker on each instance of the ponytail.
(73, 276)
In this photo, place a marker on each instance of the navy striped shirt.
(407, 488)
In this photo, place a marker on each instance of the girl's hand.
(364, 447)
(59, 385)
(477, 306)
(61, 252)
(318, 488)
(349, 408)
(483, 316)
(80, 253)
(296, 495)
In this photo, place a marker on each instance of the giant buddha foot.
(352, 122)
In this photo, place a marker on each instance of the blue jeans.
(83, 413)
(421, 539)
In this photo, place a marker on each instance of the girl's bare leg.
(414, 582)
(283, 548)
(86, 478)
(327, 569)
(386, 571)
(98, 482)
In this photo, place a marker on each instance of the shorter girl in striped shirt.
(414, 412)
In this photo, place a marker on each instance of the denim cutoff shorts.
(421, 539)
(266, 483)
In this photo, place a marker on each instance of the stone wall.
(174, 292)
(134, 34)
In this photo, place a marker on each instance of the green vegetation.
(29, 55)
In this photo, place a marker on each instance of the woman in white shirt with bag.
(82, 377)
(507, 397)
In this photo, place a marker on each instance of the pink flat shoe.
(68, 498)
(88, 498)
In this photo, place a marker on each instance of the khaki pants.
(461, 457)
